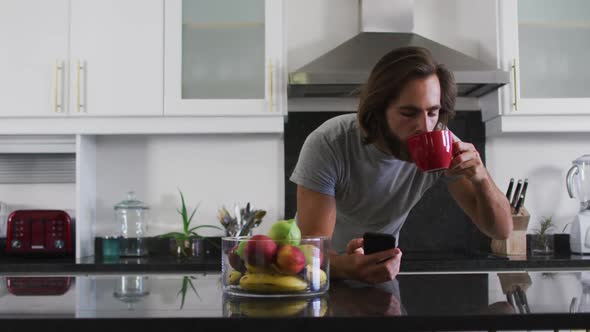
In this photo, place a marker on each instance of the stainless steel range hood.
(341, 71)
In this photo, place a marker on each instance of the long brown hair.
(386, 81)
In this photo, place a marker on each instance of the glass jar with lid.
(132, 215)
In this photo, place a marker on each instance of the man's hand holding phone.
(376, 242)
(369, 266)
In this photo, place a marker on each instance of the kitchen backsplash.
(436, 223)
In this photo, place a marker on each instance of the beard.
(396, 146)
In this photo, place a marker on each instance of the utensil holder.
(515, 244)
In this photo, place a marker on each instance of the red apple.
(235, 260)
(260, 250)
(312, 254)
(290, 259)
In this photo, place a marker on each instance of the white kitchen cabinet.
(545, 43)
(33, 35)
(117, 55)
(81, 57)
(224, 58)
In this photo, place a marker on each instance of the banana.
(282, 308)
(317, 308)
(260, 269)
(271, 283)
(316, 277)
(234, 277)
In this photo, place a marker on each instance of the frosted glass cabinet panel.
(554, 43)
(546, 44)
(223, 49)
(223, 57)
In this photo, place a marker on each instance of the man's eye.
(408, 115)
(432, 114)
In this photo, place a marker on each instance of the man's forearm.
(493, 209)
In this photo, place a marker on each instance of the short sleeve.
(317, 166)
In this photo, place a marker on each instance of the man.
(355, 175)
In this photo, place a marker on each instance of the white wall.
(211, 171)
(544, 160)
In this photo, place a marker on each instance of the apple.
(290, 259)
(240, 250)
(312, 253)
(260, 250)
(285, 232)
(235, 260)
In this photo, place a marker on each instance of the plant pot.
(192, 248)
(541, 245)
(212, 246)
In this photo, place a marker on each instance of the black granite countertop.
(411, 262)
(414, 301)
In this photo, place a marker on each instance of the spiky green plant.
(186, 281)
(545, 226)
(188, 232)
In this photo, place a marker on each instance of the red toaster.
(39, 231)
(38, 285)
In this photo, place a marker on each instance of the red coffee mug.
(432, 151)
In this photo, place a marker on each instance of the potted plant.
(542, 240)
(188, 242)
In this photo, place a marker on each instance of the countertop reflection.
(421, 297)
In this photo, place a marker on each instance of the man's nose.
(421, 125)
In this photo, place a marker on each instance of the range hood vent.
(341, 71)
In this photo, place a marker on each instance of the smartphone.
(374, 242)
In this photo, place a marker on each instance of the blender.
(578, 186)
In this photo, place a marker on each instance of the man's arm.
(316, 216)
(477, 194)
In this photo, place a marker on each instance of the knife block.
(515, 244)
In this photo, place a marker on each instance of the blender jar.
(132, 216)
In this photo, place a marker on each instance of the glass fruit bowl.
(260, 266)
(308, 306)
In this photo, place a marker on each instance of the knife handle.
(516, 194)
(509, 191)
(519, 204)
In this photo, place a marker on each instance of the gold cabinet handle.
(57, 102)
(270, 83)
(79, 105)
(515, 85)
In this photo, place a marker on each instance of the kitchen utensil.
(578, 186)
(514, 285)
(524, 189)
(519, 204)
(516, 194)
(132, 216)
(243, 223)
(509, 191)
(47, 232)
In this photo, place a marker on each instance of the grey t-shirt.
(373, 191)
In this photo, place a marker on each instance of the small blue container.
(110, 246)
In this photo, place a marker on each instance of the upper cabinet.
(116, 57)
(224, 58)
(545, 43)
(33, 35)
(81, 57)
